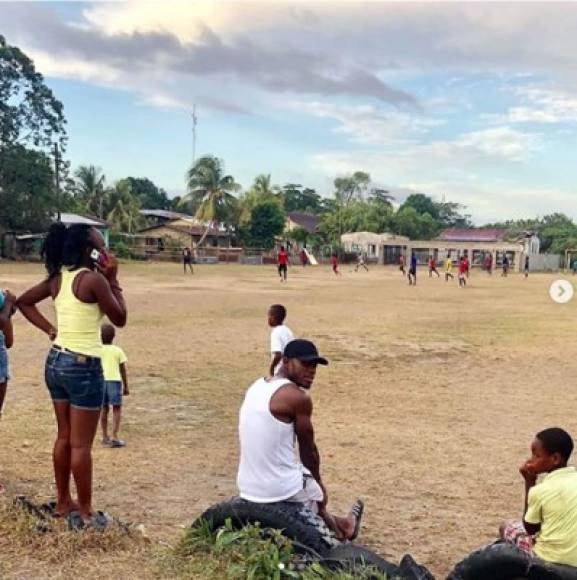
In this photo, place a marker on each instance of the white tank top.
(268, 469)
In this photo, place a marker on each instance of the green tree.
(267, 221)
(90, 190)
(26, 192)
(352, 186)
(422, 204)
(417, 226)
(299, 198)
(211, 191)
(148, 194)
(29, 112)
(124, 208)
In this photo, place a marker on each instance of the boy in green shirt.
(115, 385)
(549, 527)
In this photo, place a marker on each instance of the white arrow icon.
(561, 291)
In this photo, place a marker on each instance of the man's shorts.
(112, 393)
(516, 534)
(311, 493)
(74, 378)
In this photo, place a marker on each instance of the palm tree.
(211, 190)
(124, 214)
(89, 186)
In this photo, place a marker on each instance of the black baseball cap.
(305, 351)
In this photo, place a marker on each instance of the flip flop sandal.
(116, 443)
(75, 521)
(99, 522)
(357, 510)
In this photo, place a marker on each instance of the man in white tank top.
(274, 413)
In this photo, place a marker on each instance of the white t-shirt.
(279, 337)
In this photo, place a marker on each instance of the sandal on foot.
(99, 522)
(106, 442)
(357, 511)
(115, 443)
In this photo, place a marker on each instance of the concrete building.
(475, 243)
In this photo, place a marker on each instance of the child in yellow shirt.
(115, 386)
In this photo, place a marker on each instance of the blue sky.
(474, 102)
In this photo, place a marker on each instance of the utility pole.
(194, 122)
(57, 178)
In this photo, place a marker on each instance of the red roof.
(472, 235)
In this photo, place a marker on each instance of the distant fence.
(544, 263)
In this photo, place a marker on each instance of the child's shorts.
(4, 372)
(515, 533)
(112, 393)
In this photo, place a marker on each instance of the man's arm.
(308, 450)
(124, 376)
(274, 361)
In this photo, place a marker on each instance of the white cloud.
(367, 125)
(544, 106)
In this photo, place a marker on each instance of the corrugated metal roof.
(73, 218)
(472, 235)
(307, 221)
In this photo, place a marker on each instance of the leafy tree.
(267, 221)
(297, 198)
(422, 204)
(211, 191)
(29, 112)
(148, 194)
(450, 215)
(90, 190)
(351, 186)
(26, 193)
(124, 208)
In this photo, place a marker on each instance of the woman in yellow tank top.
(82, 281)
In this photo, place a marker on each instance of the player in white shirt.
(280, 336)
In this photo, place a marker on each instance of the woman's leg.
(61, 458)
(83, 425)
(3, 388)
(104, 423)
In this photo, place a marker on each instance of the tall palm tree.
(212, 191)
(124, 214)
(90, 188)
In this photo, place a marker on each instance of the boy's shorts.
(112, 393)
(516, 534)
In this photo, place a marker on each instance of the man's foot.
(115, 443)
(106, 441)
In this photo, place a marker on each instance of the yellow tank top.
(78, 323)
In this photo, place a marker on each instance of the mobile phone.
(98, 257)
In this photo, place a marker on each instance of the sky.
(469, 102)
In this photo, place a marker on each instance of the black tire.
(350, 557)
(296, 522)
(502, 561)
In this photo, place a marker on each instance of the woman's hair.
(65, 246)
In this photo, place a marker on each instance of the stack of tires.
(310, 536)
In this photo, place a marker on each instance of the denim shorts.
(4, 372)
(112, 393)
(74, 378)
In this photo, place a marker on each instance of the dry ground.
(427, 409)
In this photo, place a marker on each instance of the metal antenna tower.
(194, 122)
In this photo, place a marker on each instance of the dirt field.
(427, 409)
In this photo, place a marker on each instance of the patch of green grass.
(251, 553)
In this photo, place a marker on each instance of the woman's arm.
(26, 303)
(108, 293)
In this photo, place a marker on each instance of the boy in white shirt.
(280, 336)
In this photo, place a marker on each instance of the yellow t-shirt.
(448, 265)
(112, 357)
(553, 504)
